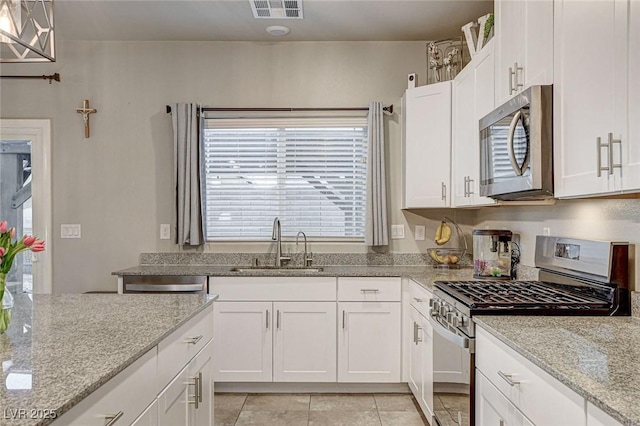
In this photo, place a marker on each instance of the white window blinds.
(309, 172)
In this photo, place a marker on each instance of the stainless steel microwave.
(516, 147)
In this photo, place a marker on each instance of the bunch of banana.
(443, 233)
(446, 259)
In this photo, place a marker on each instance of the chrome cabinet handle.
(444, 192)
(511, 76)
(369, 290)
(415, 333)
(113, 418)
(599, 146)
(612, 165)
(469, 184)
(418, 300)
(343, 319)
(508, 378)
(267, 316)
(278, 319)
(197, 398)
(465, 186)
(195, 340)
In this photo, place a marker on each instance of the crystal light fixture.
(26, 31)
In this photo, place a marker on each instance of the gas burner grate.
(521, 294)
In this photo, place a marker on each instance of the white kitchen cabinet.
(473, 97)
(538, 395)
(275, 329)
(590, 98)
(524, 51)
(304, 348)
(493, 408)
(597, 417)
(631, 147)
(243, 347)
(427, 146)
(149, 417)
(369, 342)
(200, 372)
(420, 362)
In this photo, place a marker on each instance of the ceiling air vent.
(278, 9)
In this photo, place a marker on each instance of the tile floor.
(317, 409)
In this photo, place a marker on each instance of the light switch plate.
(397, 232)
(165, 231)
(420, 232)
(71, 231)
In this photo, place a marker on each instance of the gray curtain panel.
(186, 160)
(376, 232)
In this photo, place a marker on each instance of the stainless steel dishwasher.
(196, 284)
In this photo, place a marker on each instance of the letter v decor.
(474, 34)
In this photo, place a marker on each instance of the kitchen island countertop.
(594, 356)
(60, 348)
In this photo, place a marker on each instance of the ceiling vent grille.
(276, 9)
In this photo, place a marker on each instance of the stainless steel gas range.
(577, 277)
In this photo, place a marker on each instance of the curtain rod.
(388, 109)
(51, 77)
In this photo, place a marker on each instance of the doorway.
(25, 197)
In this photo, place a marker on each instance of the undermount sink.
(274, 269)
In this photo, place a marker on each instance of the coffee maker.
(492, 254)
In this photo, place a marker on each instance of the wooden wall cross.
(85, 111)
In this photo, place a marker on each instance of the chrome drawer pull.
(508, 378)
(369, 290)
(200, 386)
(418, 300)
(197, 399)
(267, 317)
(195, 340)
(113, 418)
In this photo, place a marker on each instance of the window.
(309, 172)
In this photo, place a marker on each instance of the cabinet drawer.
(128, 393)
(175, 351)
(369, 289)
(267, 289)
(420, 297)
(539, 396)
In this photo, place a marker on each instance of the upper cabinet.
(473, 98)
(596, 97)
(524, 51)
(427, 146)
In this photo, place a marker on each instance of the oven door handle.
(463, 342)
(164, 287)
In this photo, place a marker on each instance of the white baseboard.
(256, 387)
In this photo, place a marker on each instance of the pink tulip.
(38, 245)
(2, 251)
(28, 240)
(3, 226)
(12, 232)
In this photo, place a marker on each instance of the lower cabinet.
(369, 342)
(140, 395)
(493, 408)
(421, 361)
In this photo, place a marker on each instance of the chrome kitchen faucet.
(276, 235)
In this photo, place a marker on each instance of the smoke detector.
(277, 30)
(276, 9)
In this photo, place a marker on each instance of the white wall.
(118, 184)
(599, 219)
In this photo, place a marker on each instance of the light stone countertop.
(60, 348)
(423, 274)
(597, 357)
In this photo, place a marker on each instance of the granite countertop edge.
(564, 379)
(84, 393)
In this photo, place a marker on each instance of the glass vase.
(7, 304)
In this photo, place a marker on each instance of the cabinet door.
(427, 150)
(426, 337)
(200, 372)
(587, 103)
(369, 340)
(631, 147)
(173, 401)
(415, 354)
(493, 408)
(149, 417)
(538, 42)
(464, 134)
(304, 342)
(510, 39)
(243, 341)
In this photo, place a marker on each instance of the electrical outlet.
(546, 231)
(70, 231)
(165, 231)
(420, 232)
(397, 232)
